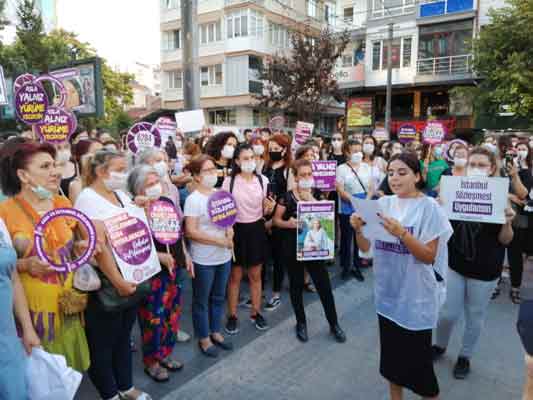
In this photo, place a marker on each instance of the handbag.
(524, 325)
(346, 206)
(86, 279)
(112, 301)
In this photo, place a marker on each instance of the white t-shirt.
(346, 176)
(205, 254)
(97, 207)
(406, 290)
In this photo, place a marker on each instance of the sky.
(121, 31)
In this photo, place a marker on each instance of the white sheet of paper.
(368, 210)
(190, 121)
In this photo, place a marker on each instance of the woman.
(32, 181)
(210, 248)
(433, 165)
(12, 358)
(81, 151)
(222, 148)
(277, 173)
(317, 239)
(410, 262)
(69, 172)
(259, 151)
(337, 154)
(476, 250)
(371, 157)
(159, 314)
(354, 179)
(108, 332)
(459, 159)
(285, 219)
(250, 192)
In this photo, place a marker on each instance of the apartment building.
(235, 37)
(430, 53)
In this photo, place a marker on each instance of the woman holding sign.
(410, 261)
(112, 310)
(476, 252)
(31, 180)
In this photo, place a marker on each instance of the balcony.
(444, 68)
(406, 8)
(436, 8)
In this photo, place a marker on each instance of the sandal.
(497, 290)
(515, 296)
(171, 365)
(157, 373)
(309, 288)
(134, 394)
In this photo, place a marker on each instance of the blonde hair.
(92, 161)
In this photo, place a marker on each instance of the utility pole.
(389, 80)
(191, 70)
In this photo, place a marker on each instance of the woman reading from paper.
(410, 262)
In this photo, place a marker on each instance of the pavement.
(274, 365)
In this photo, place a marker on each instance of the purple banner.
(324, 174)
(165, 222)
(57, 125)
(222, 209)
(303, 131)
(143, 135)
(31, 103)
(66, 264)
(407, 133)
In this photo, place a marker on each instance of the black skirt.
(250, 243)
(406, 358)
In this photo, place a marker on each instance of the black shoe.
(301, 332)
(437, 352)
(356, 272)
(259, 322)
(462, 368)
(338, 334)
(211, 351)
(345, 275)
(232, 325)
(224, 345)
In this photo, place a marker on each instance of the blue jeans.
(209, 293)
(347, 238)
(468, 296)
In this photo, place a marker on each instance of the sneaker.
(437, 352)
(273, 303)
(183, 337)
(462, 368)
(259, 322)
(232, 325)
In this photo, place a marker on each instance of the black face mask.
(275, 155)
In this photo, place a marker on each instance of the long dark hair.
(411, 160)
(215, 144)
(235, 169)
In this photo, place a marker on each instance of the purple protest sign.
(303, 132)
(324, 174)
(164, 222)
(130, 238)
(381, 134)
(222, 209)
(57, 125)
(407, 133)
(66, 264)
(450, 148)
(166, 125)
(58, 85)
(143, 135)
(21, 80)
(31, 103)
(434, 132)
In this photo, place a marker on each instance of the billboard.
(359, 112)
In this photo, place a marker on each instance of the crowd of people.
(433, 272)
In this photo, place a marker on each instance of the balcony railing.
(407, 8)
(452, 65)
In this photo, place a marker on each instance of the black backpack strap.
(232, 182)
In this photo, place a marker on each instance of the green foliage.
(3, 21)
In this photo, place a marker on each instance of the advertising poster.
(303, 132)
(475, 199)
(316, 230)
(359, 112)
(324, 174)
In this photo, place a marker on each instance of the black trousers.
(347, 241)
(276, 242)
(515, 254)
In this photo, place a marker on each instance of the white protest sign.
(476, 199)
(3, 88)
(190, 121)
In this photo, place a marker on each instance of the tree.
(30, 36)
(303, 81)
(503, 59)
(3, 21)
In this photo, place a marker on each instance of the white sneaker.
(183, 337)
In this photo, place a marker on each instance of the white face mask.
(337, 144)
(368, 148)
(259, 149)
(356, 158)
(491, 147)
(459, 162)
(161, 167)
(477, 172)
(116, 181)
(248, 166)
(154, 191)
(522, 154)
(306, 183)
(228, 151)
(63, 156)
(209, 180)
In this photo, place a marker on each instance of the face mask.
(477, 172)
(491, 147)
(116, 181)
(161, 167)
(522, 154)
(306, 183)
(437, 152)
(42, 193)
(248, 166)
(228, 151)
(368, 148)
(63, 156)
(275, 155)
(337, 144)
(110, 147)
(356, 158)
(459, 162)
(209, 180)
(396, 151)
(154, 191)
(259, 149)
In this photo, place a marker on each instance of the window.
(400, 56)
(203, 33)
(211, 75)
(347, 60)
(169, 4)
(376, 52)
(387, 8)
(218, 31)
(444, 40)
(278, 35)
(223, 117)
(406, 52)
(210, 33)
(348, 15)
(395, 55)
(175, 79)
(243, 23)
(311, 8)
(171, 40)
(256, 23)
(260, 118)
